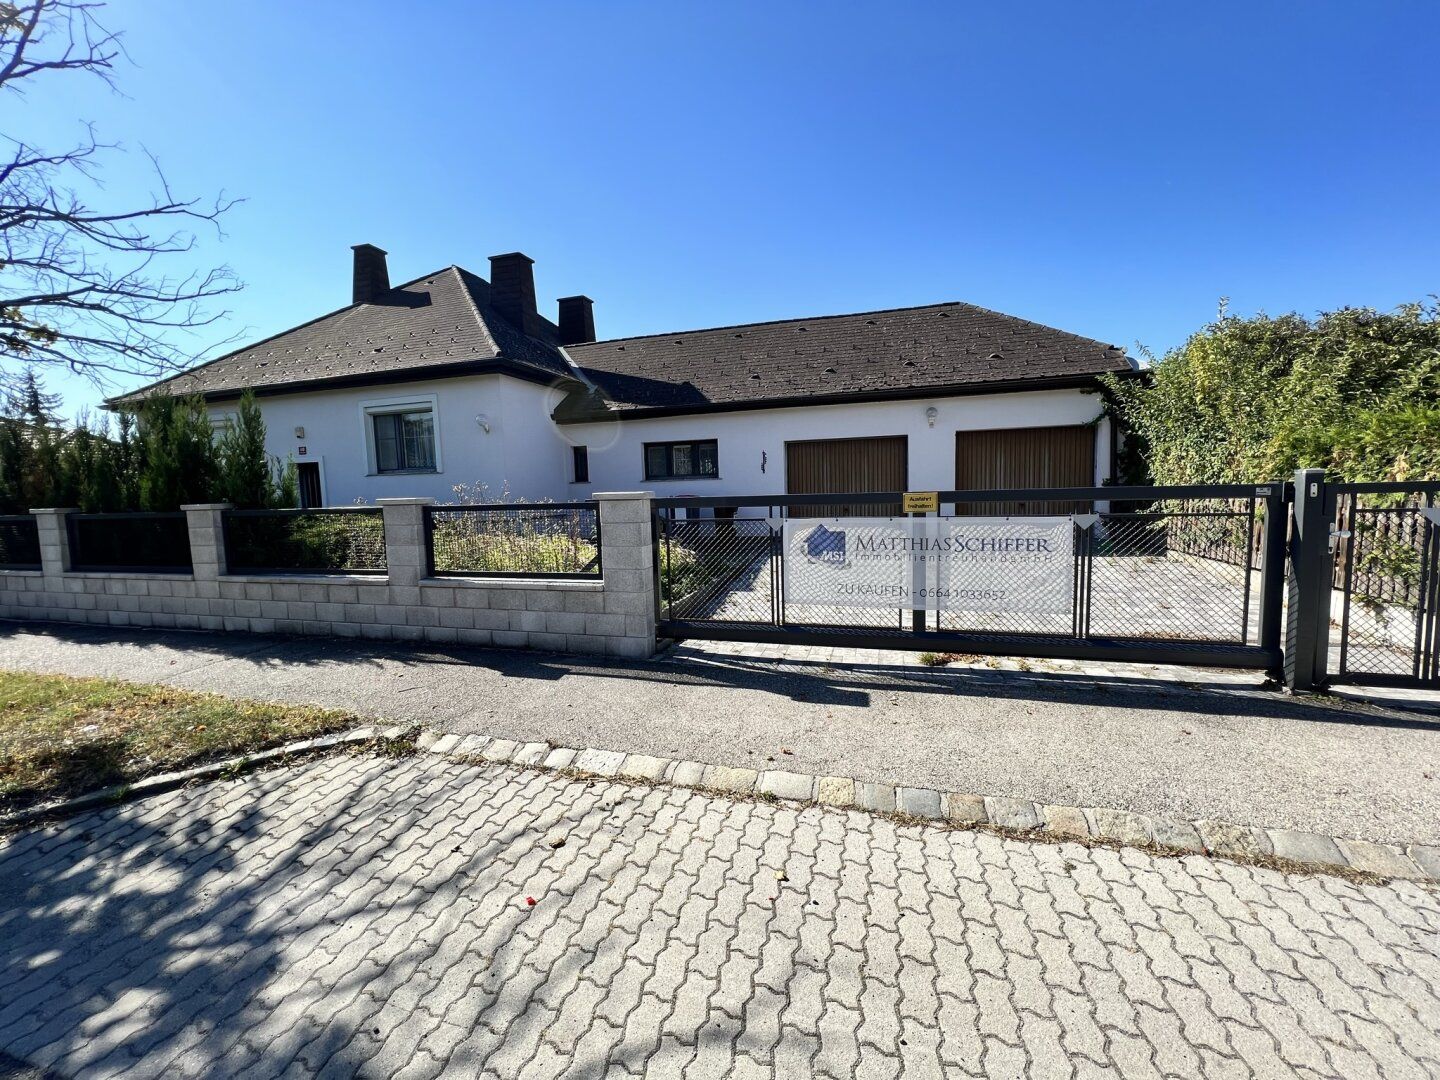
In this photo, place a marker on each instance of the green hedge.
(1354, 391)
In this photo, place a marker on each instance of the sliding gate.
(1386, 542)
(1183, 575)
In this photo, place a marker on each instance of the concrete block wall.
(612, 616)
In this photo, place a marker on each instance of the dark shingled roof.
(939, 347)
(441, 320)
(443, 324)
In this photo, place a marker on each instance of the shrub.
(682, 573)
(467, 546)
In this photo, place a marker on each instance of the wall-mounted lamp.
(931, 415)
(299, 432)
(484, 422)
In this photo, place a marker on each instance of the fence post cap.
(55, 510)
(414, 500)
(206, 506)
(623, 495)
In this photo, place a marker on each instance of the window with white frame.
(402, 437)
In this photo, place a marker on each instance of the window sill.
(406, 472)
(677, 479)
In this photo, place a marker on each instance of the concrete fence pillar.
(54, 539)
(406, 553)
(207, 539)
(627, 561)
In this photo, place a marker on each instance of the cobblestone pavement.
(369, 916)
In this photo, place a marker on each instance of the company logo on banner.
(953, 564)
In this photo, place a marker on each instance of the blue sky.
(1109, 168)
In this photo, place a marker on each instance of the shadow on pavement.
(807, 681)
(129, 937)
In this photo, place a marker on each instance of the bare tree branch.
(79, 283)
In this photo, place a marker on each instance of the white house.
(453, 381)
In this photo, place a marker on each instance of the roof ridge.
(288, 330)
(780, 322)
(460, 272)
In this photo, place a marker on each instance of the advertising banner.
(951, 564)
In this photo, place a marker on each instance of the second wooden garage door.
(822, 466)
(1045, 457)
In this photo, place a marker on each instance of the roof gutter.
(1007, 386)
(460, 369)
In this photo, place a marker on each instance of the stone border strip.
(1282, 848)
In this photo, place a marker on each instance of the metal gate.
(1183, 575)
(1387, 580)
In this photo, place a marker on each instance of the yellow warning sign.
(920, 502)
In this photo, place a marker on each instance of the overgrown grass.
(61, 737)
(467, 547)
(941, 659)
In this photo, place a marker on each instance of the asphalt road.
(1178, 750)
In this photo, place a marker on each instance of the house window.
(681, 460)
(404, 439)
(221, 424)
(581, 456)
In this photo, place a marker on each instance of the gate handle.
(1338, 534)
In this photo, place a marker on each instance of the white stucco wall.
(752, 444)
(522, 448)
(528, 455)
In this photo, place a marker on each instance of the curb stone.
(163, 782)
(1291, 850)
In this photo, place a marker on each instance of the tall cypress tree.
(179, 454)
(244, 467)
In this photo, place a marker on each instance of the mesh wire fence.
(548, 539)
(1382, 560)
(1177, 570)
(721, 570)
(332, 541)
(19, 542)
(142, 542)
(1385, 566)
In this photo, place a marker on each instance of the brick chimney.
(512, 288)
(372, 278)
(577, 320)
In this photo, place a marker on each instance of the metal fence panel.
(19, 542)
(143, 543)
(1166, 574)
(334, 540)
(1387, 567)
(560, 540)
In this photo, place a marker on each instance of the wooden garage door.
(822, 466)
(1045, 457)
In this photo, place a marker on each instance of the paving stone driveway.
(358, 915)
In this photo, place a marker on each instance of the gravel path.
(1212, 746)
(363, 916)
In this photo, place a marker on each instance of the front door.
(307, 477)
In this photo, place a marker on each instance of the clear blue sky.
(1111, 168)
